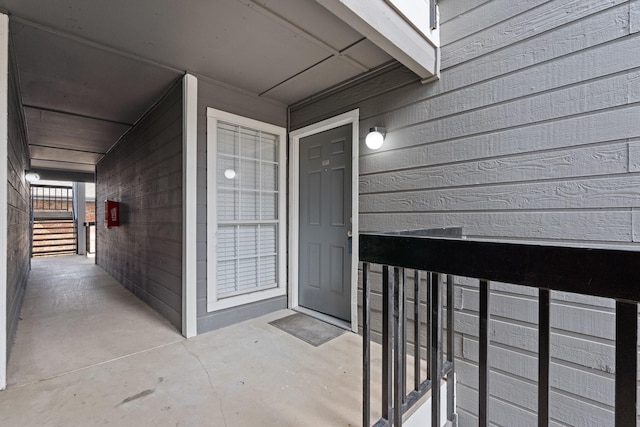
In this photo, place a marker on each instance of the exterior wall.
(18, 209)
(90, 211)
(144, 173)
(531, 135)
(214, 95)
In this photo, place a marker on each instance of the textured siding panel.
(19, 205)
(548, 16)
(457, 8)
(485, 16)
(530, 135)
(144, 173)
(634, 17)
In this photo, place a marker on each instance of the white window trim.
(214, 304)
(350, 117)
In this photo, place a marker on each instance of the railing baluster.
(387, 348)
(404, 335)
(417, 320)
(436, 349)
(626, 363)
(398, 338)
(451, 383)
(366, 347)
(544, 302)
(428, 302)
(483, 368)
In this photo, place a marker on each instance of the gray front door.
(325, 222)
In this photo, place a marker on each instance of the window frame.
(214, 303)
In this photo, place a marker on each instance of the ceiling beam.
(60, 175)
(82, 116)
(66, 149)
(310, 67)
(304, 34)
(92, 43)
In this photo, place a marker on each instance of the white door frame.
(352, 118)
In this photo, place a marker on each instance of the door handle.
(349, 234)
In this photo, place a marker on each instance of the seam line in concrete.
(15, 387)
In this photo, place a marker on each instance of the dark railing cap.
(63, 187)
(606, 273)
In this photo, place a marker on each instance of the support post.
(80, 202)
(4, 139)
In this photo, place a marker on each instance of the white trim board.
(351, 117)
(4, 139)
(189, 204)
(214, 304)
(381, 23)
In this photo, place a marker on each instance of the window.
(245, 210)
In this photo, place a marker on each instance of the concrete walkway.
(88, 352)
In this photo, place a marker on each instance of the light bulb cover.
(375, 137)
(229, 173)
(31, 176)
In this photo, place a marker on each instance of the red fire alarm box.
(111, 213)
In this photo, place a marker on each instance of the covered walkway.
(88, 352)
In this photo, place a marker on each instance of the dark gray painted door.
(325, 222)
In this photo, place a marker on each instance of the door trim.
(352, 118)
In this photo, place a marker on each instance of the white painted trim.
(189, 205)
(213, 303)
(351, 117)
(4, 139)
(420, 414)
(378, 21)
(80, 202)
(415, 12)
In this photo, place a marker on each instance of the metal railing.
(596, 272)
(53, 220)
(50, 198)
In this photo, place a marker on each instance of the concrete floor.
(88, 352)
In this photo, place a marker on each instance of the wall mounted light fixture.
(31, 176)
(375, 137)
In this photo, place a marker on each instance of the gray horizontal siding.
(144, 173)
(18, 205)
(530, 135)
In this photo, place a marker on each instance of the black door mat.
(308, 329)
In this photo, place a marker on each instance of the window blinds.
(247, 193)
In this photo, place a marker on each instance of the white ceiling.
(89, 69)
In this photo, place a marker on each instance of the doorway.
(324, 219)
